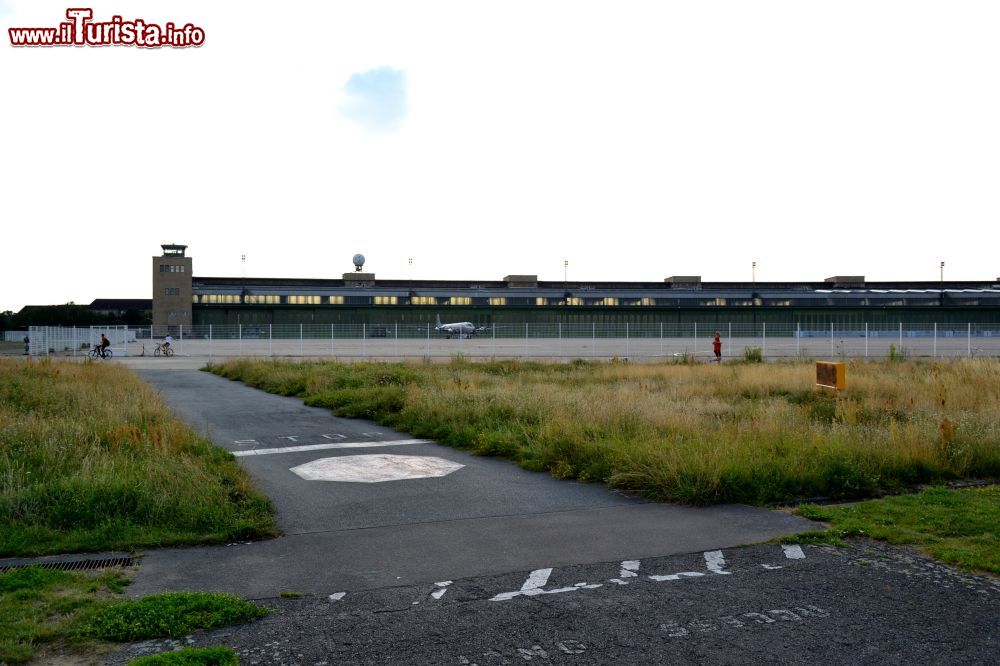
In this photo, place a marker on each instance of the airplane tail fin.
(439, 320)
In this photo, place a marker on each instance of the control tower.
(171, 290)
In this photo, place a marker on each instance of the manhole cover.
(375, 468)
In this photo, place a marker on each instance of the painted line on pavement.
(793, 552)
(332, 445)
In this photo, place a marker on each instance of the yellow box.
(831, 375)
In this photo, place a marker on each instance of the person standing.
(717, 347)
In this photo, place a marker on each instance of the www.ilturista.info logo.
(81, 30)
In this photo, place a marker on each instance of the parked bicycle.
(163, 350)
(96, 352)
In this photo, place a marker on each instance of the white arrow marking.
(337, 596)
(437, 594)
(793, 552)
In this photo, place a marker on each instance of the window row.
(545, 301)
(171, 268)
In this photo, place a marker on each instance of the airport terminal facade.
(182, 299)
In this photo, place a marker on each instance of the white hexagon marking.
(375, 468)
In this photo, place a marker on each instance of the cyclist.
(167, 341)
(105, 343)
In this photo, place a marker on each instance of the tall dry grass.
(91, 459)
(703, 434)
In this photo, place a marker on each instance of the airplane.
(463, 329)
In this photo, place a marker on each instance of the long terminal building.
(182, 299)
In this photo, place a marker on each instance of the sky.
(471, 140)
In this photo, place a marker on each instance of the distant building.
(181, 298)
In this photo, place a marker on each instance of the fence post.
(210, 341)
(935, 339)
(866, 339)
(970, 339)
(900, 337)
(763, 335)
(798, 338)
(560, 339)
(661, 338)
(395, 338)
(332, 350)
(695, 337)
(364, 340)
(730, 336)
(832, 350)
(626, 340)
(240, 334)
(181, 345)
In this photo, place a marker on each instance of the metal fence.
(595, 340)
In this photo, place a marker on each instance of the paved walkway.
(451, 515)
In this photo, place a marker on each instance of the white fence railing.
(593, 340)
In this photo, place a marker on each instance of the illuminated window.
(262, 298)
(608, 300)
(645, 300)
(460, 300)
(385, 300)
(574, 300)
(304, 300)
(220, 298)
(424, 300)
(336, 300)
(541, 300)
(194, 299)
(498, 300)
(714, 301)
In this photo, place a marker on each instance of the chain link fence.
(566, 341)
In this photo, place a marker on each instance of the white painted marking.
(375, 468)
(678, 576)
(291, 438)
(536, 580)
(629, 569)
(322, 447)
(793, 552)
(337, 596)
(244, 442)
(772, 567)
(715, 561)
(437, 594)
(334, 436)
(373, 434)
(535, 584)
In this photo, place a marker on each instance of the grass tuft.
(208, 656)
(173, 614)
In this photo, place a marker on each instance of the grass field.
(700, 434)
(91, 459)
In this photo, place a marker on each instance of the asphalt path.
(481, 516)
(768, 604)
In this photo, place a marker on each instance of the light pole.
(565, 268)
(753, 272)
(942, 271)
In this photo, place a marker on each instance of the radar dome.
(359, 261)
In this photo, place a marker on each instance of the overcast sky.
(637, 140)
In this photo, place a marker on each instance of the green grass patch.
(91, 459)
(209, 656)
(74, 611)
(173, 614)
(699, 434)
(40, 606)
(959, 527)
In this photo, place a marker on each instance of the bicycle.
(97, 353)
(160, 349)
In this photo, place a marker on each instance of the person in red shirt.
(717, 347)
